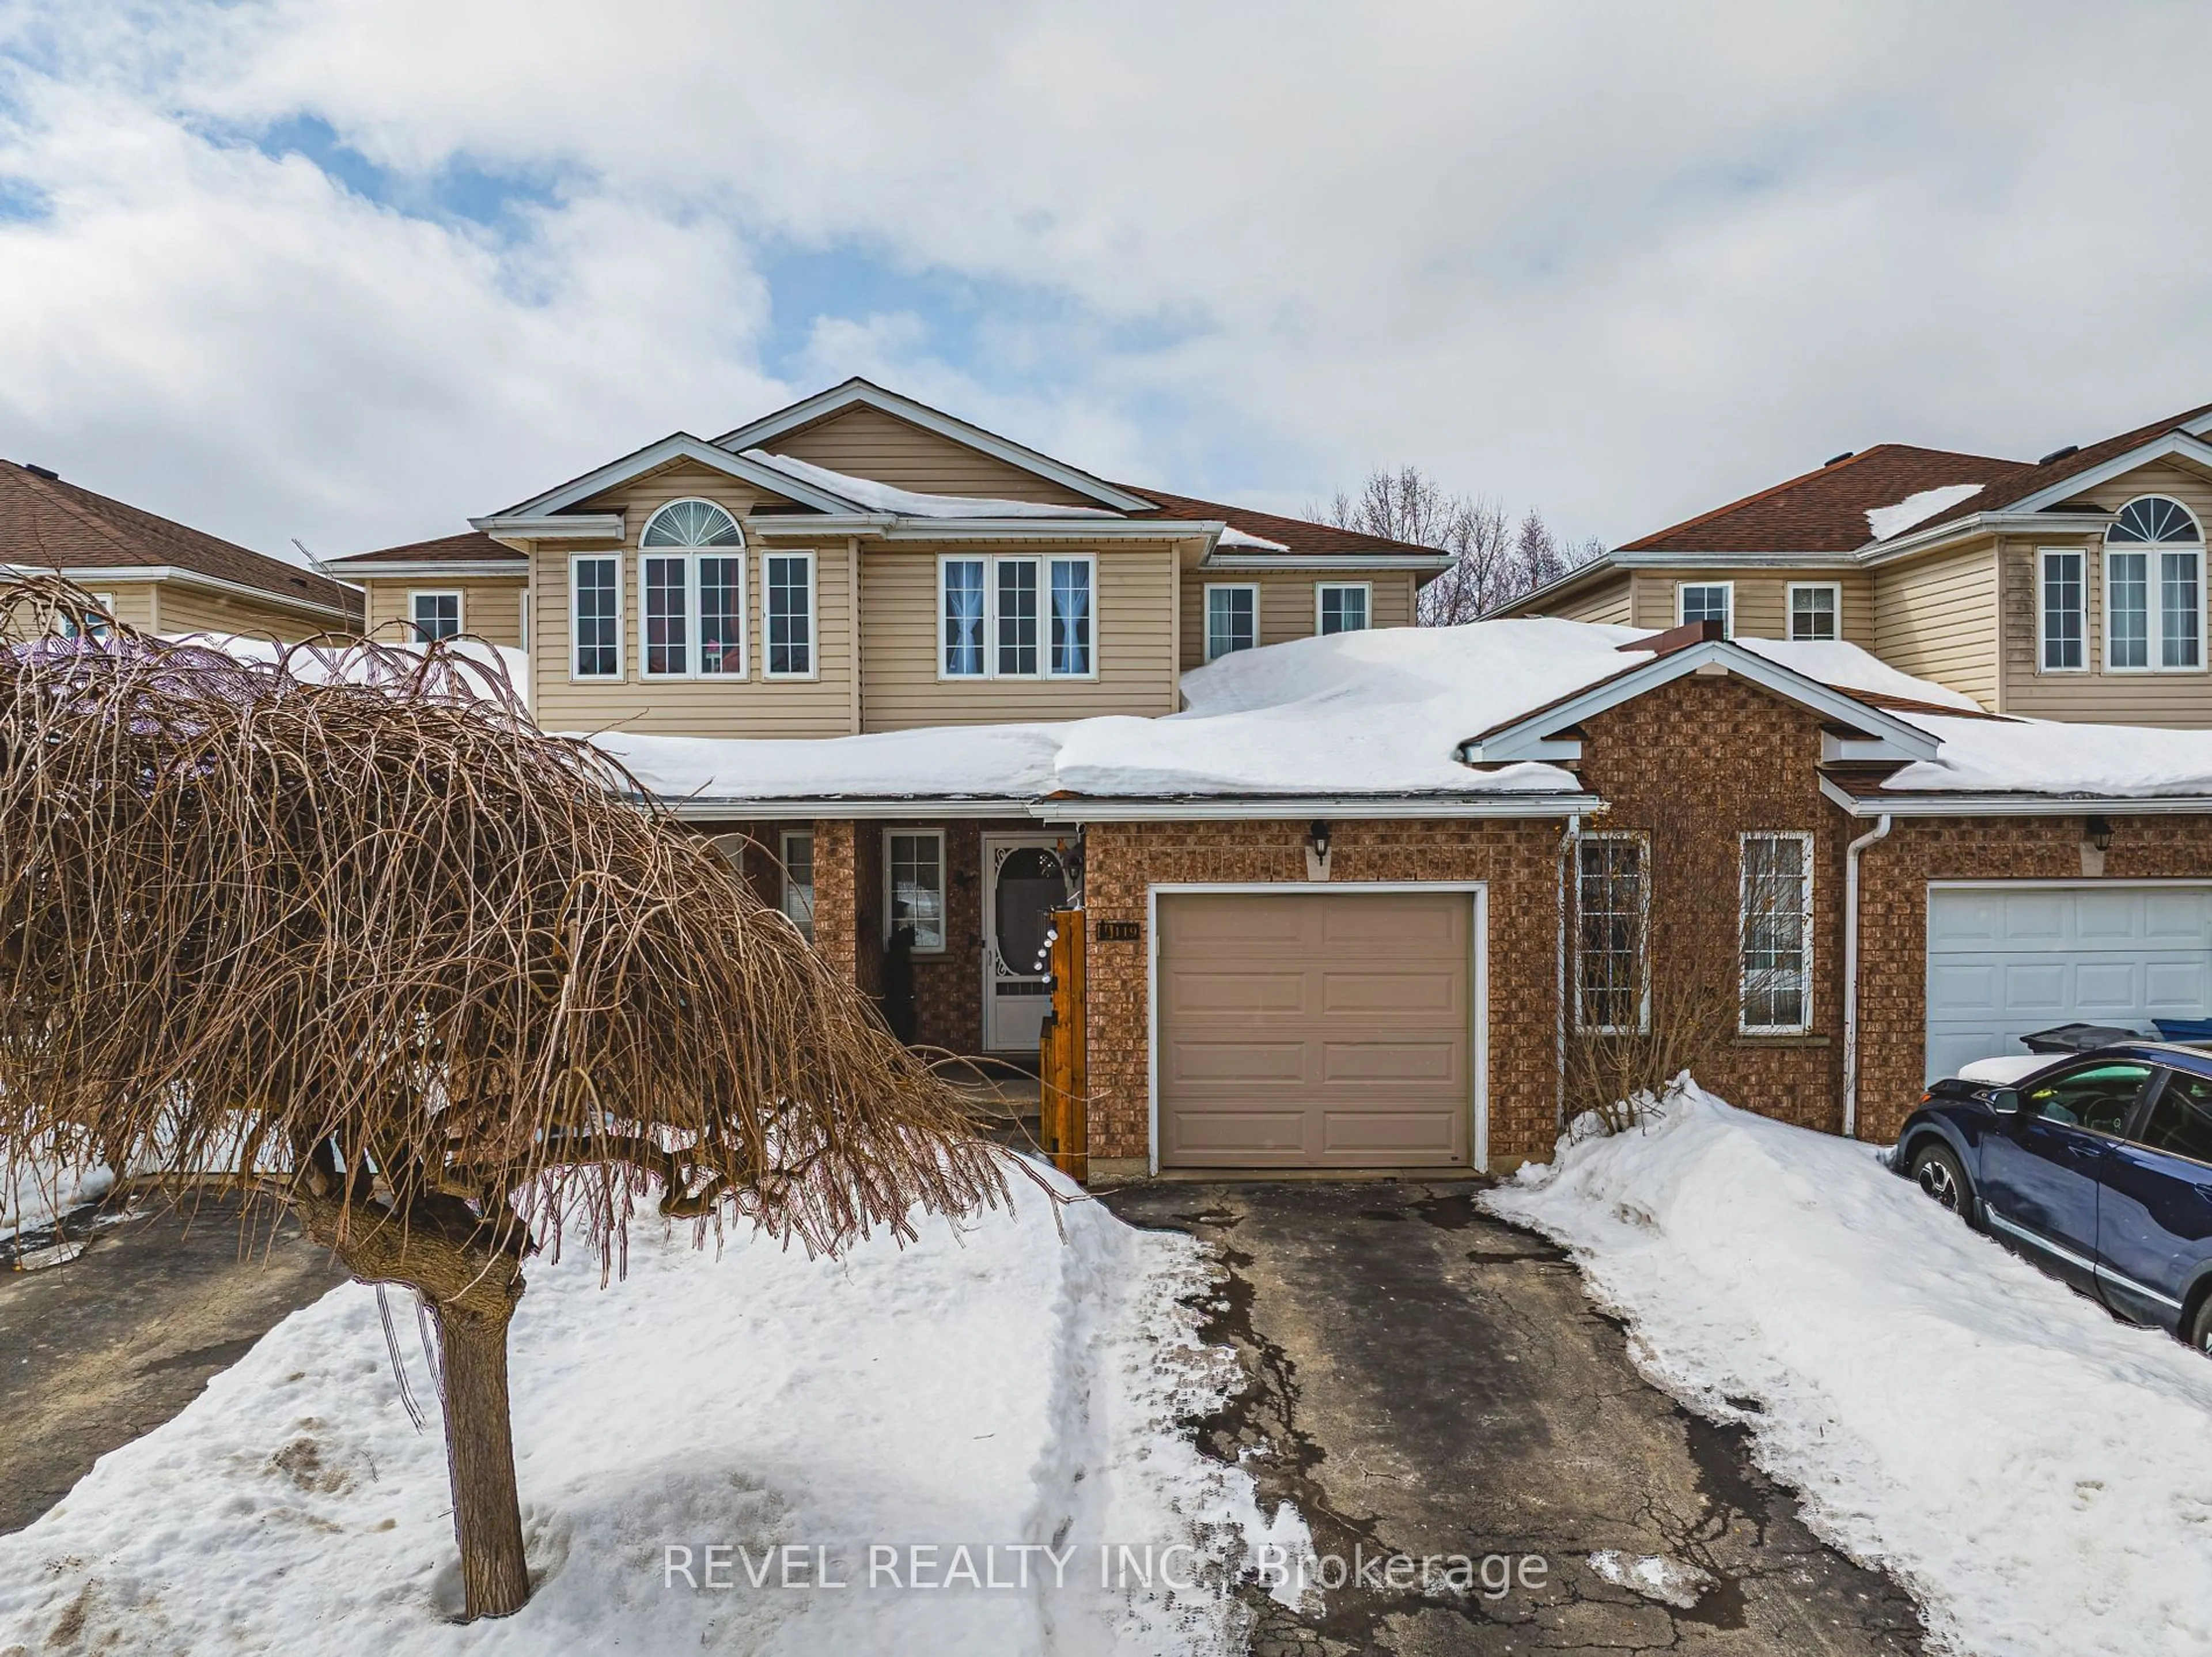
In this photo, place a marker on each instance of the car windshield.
(2098, 1096)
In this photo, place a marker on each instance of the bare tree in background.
(1493, 562)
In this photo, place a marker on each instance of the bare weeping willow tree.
(343, 925)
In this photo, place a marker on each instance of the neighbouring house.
(158, 575)
(1352, 891)
(2069, 587)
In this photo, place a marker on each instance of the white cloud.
(1622, 260)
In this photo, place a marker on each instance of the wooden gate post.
(1063, 1067)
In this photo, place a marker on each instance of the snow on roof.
(905, 504)
(357, 663)
(2039, 756)
(1847, 668)
(1889, 522)
(1233, 536)
(1011, 762)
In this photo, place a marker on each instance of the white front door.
(2007, 960)
(1023, 882)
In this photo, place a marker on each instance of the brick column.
(837, 894)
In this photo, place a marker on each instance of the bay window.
(1016, 617)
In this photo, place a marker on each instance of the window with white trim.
(1612, 917)
(1342, 606)
(1775, 931)
(691, 600)
(799, 879)
(434, 616)
(1706, 601)
(787, 614)
(1816, 610)
(2153, 588)
(595, 616)
(913, 881)
(1232, 619)
(2061, 611)
(1017, 617)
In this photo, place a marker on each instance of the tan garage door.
(1315, 1029)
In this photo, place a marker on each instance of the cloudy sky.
(351, 270)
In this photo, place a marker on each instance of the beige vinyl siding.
(1134, 649)
(1937, 618)
(752, 706)
(1607, 601)
(131, 603)
(197, 610)
(1289, 604)
(1762, 599)
(2174, 700)
(865, 443)
(491, 607)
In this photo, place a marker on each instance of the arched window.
(2153, 588)
(692, 591)
(691, 523)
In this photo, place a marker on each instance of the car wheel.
(2200, 1327)
(1936, 1171)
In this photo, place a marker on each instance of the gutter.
(1879, 831)
(1057, 809)
(2017, 805)
(178, 575)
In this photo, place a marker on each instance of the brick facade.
(1893, 876)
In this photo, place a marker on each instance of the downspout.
(1566, 847)
(1879, 831)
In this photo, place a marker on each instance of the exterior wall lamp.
(1317, 838)
(2098, 832)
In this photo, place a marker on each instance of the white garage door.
(1328, 1029)
(2003, 961)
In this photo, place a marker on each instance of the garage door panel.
(1434, 1062)
(1369, 1059)
(1388, 1136)
(2108, 953)
(1250, 993)
(1245, 1063)
(1393, 995)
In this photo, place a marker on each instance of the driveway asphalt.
(1422, 1378)
(106, 1347)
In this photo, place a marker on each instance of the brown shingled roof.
(1299, 534)
(48, 524)
(465, 548)
(1824, 511)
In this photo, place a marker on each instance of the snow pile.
(1382, 711)
(905, 504)
(2039, 1474)
(2035, 756)
(358, 663)
(1888, 522)
(48, 1182)
(1849, 667)
(998, 1387)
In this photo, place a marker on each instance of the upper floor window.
(995, 622)
(2061, 606)
(1341, 607)
(595, 616)
(2153, 587)
(434, 615)
(692, 603)
(787, 614)
(1815, 609)
(1707, 602)
(1232, 619)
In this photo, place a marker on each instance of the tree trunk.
(480, 1459)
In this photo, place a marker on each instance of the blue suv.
(2098, 1165)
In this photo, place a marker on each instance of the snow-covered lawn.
(995, 1387)
(2040, 1475)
